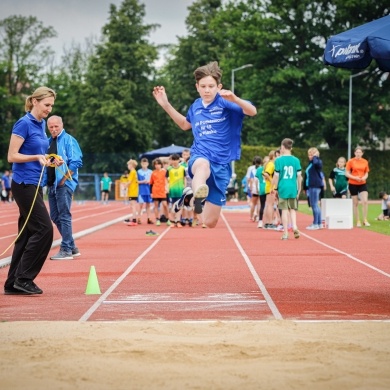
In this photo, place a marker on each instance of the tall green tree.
(117, 107)
(297, 96)
(24, 53)
(68, 80)
(198, 48)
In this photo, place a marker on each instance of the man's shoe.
(28, 287)
(200, 196)
(313, 227)
(62, 255)
(76, 252)
(297, 233)
(184, 200)
(127, 220)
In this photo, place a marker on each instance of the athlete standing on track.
(216, 120)
(27, 148)
(357, 173)
(287, 181)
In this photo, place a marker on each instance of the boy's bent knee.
(210, 222)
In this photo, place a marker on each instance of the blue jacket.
(69, 149)
(314, 177)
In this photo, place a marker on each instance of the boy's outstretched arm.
(248, 108)
(162, 99)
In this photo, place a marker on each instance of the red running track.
(233, 272)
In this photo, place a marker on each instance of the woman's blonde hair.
(314, 151)
(39, 94)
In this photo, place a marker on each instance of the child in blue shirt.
(216, 120)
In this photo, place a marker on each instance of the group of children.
(348, 177)
(158, 191)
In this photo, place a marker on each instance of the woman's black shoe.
(28, 287)
(13, 291)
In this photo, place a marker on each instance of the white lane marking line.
(347, 255)
(8, 223)
(97, 214)
(7, 260)
(271, 304)
(103, 297)
(186, 301)
(4, 237)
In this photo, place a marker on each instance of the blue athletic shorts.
(218, 181)
(144, 199)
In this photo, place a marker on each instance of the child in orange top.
(357, 172)
(158, 189)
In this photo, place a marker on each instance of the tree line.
(105, 87)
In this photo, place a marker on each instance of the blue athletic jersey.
(144, 174)
(216, 129)
(35, 142)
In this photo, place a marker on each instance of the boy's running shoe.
(184, 200)
(200, 196)
(151, 233)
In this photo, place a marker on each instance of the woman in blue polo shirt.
(27, 148)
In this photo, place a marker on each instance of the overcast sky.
(76, 20)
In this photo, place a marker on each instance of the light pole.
(235, 70)
(350, 110)
(232, 89)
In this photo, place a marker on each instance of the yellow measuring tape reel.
(51, 158)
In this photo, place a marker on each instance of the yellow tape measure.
(51, 158)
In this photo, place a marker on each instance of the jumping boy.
(216, 120)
